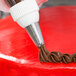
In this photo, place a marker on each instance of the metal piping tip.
(35, 33)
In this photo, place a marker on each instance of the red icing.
(58, 25)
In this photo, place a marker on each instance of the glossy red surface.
(19, 55)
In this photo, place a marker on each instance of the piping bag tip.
(35, 33)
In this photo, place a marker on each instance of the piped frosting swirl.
(55, 57)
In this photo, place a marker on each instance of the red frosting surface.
(19, 55)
